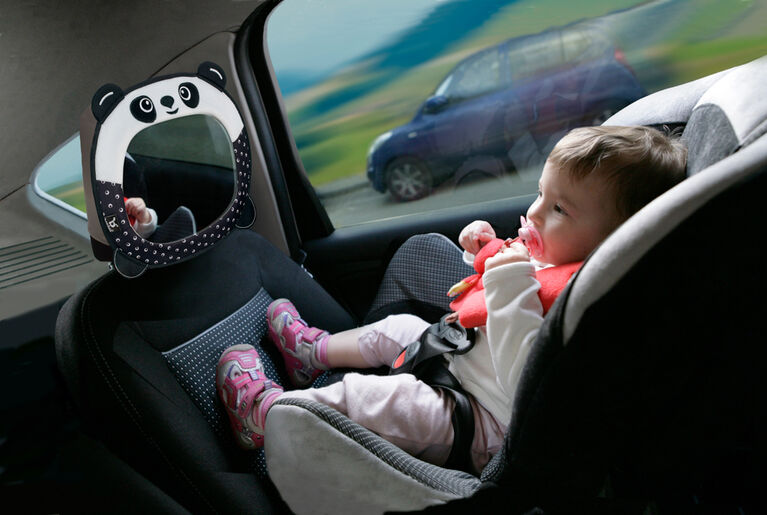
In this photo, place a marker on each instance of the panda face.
(144, 109)
(124, 114)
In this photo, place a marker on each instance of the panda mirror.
(178, 146)
(183, 171)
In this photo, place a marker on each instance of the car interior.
(142, 374)
(643, 393)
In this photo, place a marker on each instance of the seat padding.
(110, 342)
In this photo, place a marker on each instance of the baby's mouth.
(531, 238)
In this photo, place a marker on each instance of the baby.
(593, 180)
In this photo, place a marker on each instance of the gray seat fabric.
(642, 391)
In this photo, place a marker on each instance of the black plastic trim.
(301, 211)
(257, 110)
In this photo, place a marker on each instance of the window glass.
(474, 77)
(529, 57)
(59, 177)
(364, 85)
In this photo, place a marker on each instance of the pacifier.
(531, 238)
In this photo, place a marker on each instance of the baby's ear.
(105, 99)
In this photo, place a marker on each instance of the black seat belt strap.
(424, 359)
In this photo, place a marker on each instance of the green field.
(71, 194)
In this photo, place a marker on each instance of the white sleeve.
(468, 258)
(514, 316)
(147, 229)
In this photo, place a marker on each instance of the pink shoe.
(246, 392)
(296, 341)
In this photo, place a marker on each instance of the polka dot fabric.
(109, 198)
(194, 363)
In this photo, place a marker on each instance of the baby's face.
(572, 215)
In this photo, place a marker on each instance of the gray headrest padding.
(625, 247)
(740, 95)
(672, 105)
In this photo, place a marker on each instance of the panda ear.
(105, 99)
(212, 73)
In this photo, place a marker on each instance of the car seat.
(644, 392)
(138, 347)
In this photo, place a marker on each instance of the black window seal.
(302, 213)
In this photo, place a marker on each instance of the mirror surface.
(182, 169)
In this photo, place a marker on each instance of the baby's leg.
(372, 345)
(410, 414)
(381, 342)
(308, 351)
(401, 409)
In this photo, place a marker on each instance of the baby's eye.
(539, 193)
(559, 209)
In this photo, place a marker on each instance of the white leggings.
(401, 409)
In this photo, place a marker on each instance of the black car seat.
(138, 346)
(645, 390)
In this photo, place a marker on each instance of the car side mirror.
(435, 104)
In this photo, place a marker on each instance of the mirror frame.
(119, 116)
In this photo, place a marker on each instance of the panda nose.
(167, 101)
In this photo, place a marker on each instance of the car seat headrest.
(728, 116)
(726, 136)
(179, 143)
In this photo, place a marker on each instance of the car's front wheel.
(408, 179)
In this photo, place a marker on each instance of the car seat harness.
(425, 359)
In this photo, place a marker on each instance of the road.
(358, 203)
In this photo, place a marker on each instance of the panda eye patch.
(142, 109)
(188, 94)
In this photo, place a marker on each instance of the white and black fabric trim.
(109, 199)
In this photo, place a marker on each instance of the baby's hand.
(475, 235)
(452, 317)
(136, 207)
(512, 253)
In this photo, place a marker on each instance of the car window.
(370, 91)
(536, 55)
(475, 76)
(59, 178)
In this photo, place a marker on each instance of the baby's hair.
(638, 162)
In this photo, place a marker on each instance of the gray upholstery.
(356, 471)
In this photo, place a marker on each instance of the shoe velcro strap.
(311, 334)
(234, 385)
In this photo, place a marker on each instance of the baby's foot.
(246, 393)
(302, 347)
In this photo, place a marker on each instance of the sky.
(348, 29)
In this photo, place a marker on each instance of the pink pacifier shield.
(531, 238)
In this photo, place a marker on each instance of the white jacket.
(492, 369)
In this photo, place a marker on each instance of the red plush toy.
(470, 305)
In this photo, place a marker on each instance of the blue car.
(502, 109)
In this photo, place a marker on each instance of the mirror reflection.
(178, 177)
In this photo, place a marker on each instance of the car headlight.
(378, 142)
